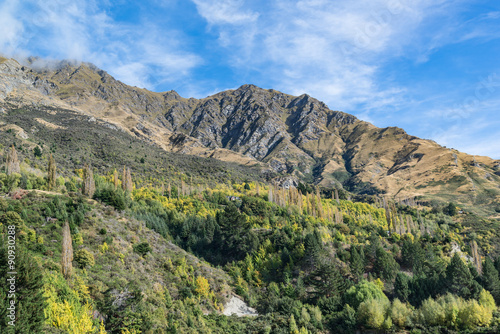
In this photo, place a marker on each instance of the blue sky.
(431, 67)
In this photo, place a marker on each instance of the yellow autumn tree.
(202, 287)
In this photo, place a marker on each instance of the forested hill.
(113, 242)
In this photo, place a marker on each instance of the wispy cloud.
(332, 50)
(142, 55)
(10, 27)
(225, 12)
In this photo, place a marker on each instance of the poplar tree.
(476, 258)
(52, 173)
(115, 178)
(127, 180)
(12, 162)
(88, 187)
(67, 252)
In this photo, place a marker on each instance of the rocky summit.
(296, 136)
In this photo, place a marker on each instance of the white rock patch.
(240, 308)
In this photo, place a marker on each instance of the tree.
(84, 258)
(234, 238)
(142, 248)
(51, 175)
(450, 209)
(490, 279)
(168, 299)
(37, 152)
(357, 262)
(476, 257)
(11, 218)
(88, 186)
(459, 280)
(12, 162)
(372, 312)
(292, 325)
(401, 287)
(30, 302)
(413, 256)
(363, 291)
(127, 184)
(67, 252)
(111, 195)
(202, 286)
(116, 181)
(399, 313)
(327, 278)
(385, 265)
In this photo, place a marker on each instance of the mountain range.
(298, 137)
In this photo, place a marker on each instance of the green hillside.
(167, 253)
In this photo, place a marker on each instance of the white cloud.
(331, 50)
(10, 27)
(225, 12)
(143, 55)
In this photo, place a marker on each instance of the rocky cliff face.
(296, 135)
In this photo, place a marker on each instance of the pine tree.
(331, 283)
(168, 299)
(88, 186)
(12, 163)
(490, 279)
(292, 326)
(357, 263)
(30, 302)
(385, 265)
(401, 287)
(51, 176)
(459, 280)
(67, 252)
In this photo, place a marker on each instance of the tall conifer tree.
(51, 176)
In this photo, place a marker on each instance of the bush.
(11, 218)
(142, 248)
(400, 313)
(111, 196)
(364, 291)
(372, 312)
(84, 258)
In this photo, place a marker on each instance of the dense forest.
(123, 250)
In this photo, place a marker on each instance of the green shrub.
(84, 258)
(142, 248)
(111, 196)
